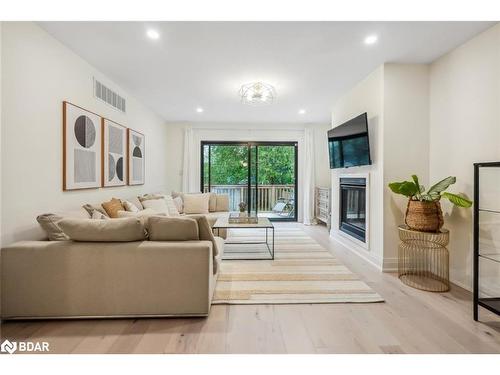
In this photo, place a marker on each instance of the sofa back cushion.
(173, 229)
(196, 203)
(222, 203)
(116, 230)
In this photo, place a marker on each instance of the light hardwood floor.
(410, 321)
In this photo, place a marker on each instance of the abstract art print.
(81, 148)
(114, 147)
(136, 157)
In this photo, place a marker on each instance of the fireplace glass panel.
(353, 208)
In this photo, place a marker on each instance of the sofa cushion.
(49, 223)
(159, 206)
(212, 202)
(118, 230)
(142, 213)
(205, 231)
(173, 229)
(112, 207)
(196, 203)
(222, 203)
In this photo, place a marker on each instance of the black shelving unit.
(493, 255)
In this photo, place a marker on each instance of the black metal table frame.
(266, 242)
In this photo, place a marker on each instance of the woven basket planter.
(424, 216)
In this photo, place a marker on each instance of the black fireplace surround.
(353, 207)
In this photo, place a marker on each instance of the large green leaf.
(457, 200)
(442, 185)
(406, 188)
(415, 180)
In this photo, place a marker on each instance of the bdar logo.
(8, 347)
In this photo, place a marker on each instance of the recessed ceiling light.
(302, 111)
(371, 39)
(153, 34)
(199, 110)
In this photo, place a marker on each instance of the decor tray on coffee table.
(252, 249)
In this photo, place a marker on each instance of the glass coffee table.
(257, 239)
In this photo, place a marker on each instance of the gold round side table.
(423, 259)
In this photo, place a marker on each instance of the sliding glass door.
(261, 175)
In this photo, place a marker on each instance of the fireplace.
(352, 203)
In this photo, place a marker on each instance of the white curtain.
(309, 177)
(188, 161)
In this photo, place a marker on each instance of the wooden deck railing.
(268, 195)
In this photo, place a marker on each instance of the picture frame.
(81, 148)
(114, 154)
(136, 165)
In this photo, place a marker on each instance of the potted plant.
(423, 212)
(243, 208)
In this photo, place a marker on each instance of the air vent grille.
(109, 96)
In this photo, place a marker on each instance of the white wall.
(366, 96)
(464, 128)
(39, 73)
(405, 145)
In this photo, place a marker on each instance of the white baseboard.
(356, 249)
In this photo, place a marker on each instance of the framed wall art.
(136, 157)
(114, 153)
(81, 148)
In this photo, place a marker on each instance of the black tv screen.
(348, 144)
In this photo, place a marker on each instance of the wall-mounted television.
(349, 144)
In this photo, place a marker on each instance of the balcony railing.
(268, 197)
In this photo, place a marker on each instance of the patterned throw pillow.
(179, 204)
(91, 208)
(49, 223)
(129, 206)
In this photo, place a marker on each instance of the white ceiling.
(203, 64)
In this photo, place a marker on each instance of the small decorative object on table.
(242, 206)
(423, 259)
(423, 212)
(237, 218)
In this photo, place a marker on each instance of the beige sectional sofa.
(86, 279)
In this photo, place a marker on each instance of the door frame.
(249, 145)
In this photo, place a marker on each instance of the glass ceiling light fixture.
(257, 93)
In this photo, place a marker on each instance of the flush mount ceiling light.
(302, 111)
(257, 93)
(199, 110)
(371, 39)
(153, 34)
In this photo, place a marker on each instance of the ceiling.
(203, 64)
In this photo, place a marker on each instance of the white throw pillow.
(196, 203)
(179, 204)
(129, 206)
(159, 206)
(172, 208)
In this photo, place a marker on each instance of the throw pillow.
(212, 202)
(112, 207)
(49, 223)
(118, 230)
(173, 229)
(90, 208)
(196, 203)
(159, 206)
(222, 203)
(172, 208)
(179, 204)
(129, 206)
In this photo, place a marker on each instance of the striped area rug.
(302, 272)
